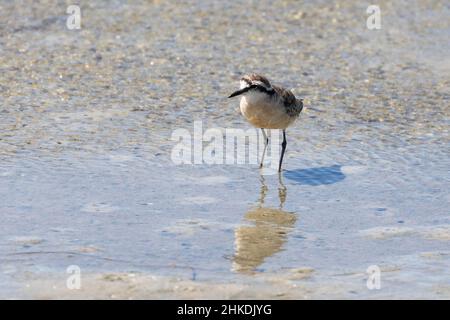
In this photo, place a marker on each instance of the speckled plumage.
(293, 105)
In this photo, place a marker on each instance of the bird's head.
(253, 82)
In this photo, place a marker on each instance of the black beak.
(236, 93)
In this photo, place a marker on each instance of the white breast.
(263, 111)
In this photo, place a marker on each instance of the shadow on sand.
(316, 176)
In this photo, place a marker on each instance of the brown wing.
(286, 95)
(293, 105)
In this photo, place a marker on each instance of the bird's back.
(292, 105)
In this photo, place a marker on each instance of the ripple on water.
(199, 200)
(99, 208)
(27, 240)
(212, 180)
(438, 232)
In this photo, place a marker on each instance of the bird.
(267, 106)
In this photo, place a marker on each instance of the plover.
(267, 106)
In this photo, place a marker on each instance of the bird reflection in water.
(267, 234)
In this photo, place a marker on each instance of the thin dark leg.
(266, 142)
(283, 149)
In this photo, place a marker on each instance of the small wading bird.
(267, 107)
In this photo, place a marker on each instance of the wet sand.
(86, 177)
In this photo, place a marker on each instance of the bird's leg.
(283, 149)
(266, 142)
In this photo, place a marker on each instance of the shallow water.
(85, 146)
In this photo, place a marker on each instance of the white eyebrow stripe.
(243, 84)
(262, 84)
